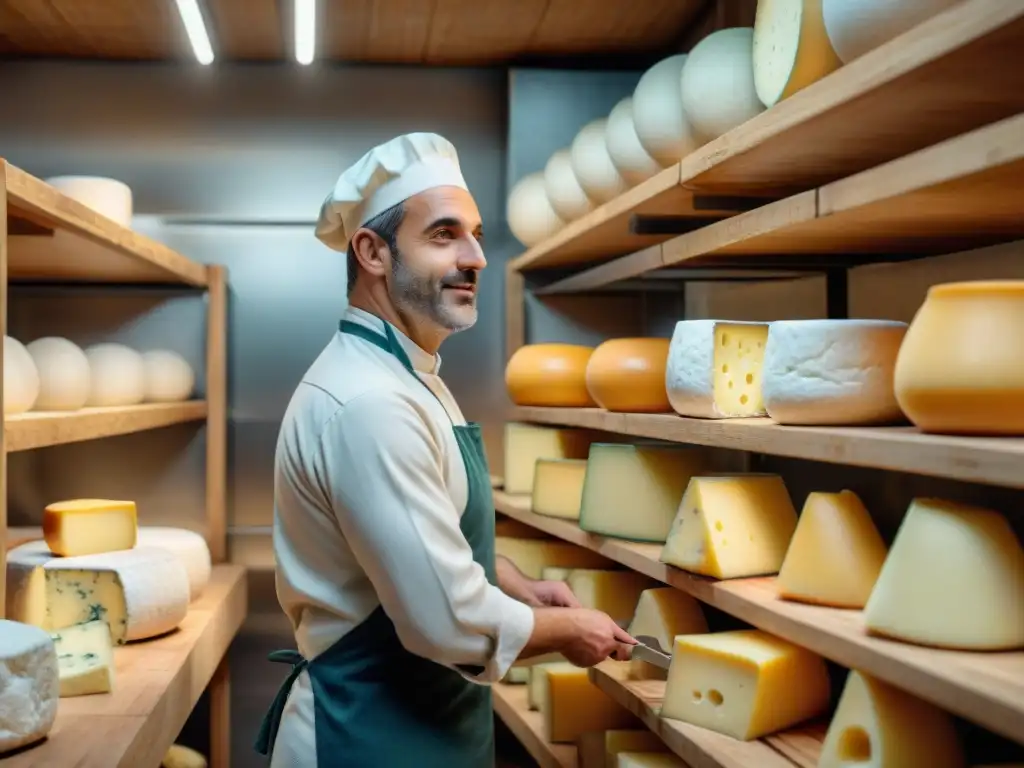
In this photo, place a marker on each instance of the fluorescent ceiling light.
(305, 30)
(196, 30)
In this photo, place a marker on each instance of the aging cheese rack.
(159, 681)
(913, 150)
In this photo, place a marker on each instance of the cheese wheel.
(855, 27)
(21, 379)
(791, 49)
(549, 375)
(530, 215)
(592, 164)
(169, 377)
(627, 153)
(31, 685)
(188, 546)
(628, 375)
(563, 189)
(661, 125)
(63, 374)
(117, 375)
(108, 197)
(718, 83)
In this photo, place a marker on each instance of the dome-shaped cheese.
(21, 379)
(63, 374)
(628, 375)
(169, 377)
(855, 27)
(627, 153)
(117, 374)
(549, 375)
(563, 189)
(108, 197)
(661, 125)
(592, 164)
(530, 215)
(718, 82)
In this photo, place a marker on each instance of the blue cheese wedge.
(85, 658)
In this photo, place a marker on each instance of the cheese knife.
(649, 649)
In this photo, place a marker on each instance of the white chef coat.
(369, 489)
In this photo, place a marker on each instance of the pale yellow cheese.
(555, 573)
(85, 657)
(525, 443)
(179, 756)
(537, 685)
(745, 684)
(791, 49)
(574, 705)
(877, 726)
(648, 760)
(663, 613)
(732, 526)
(558, 487)
(532, 556)
(89, 526)
(954, 578)
(835, 555)
(633, 491)
(517, 676)
(614, 592)
(600, 749)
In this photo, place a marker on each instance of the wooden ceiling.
(436, 32)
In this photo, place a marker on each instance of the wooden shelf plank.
(700, 747)
(989, 460)
(73, 243)
(510, 704)
(157, 684)
(38, 429)
(986, 688)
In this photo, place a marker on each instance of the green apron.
(375, 703)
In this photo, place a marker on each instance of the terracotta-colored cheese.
(549, 375)
(960, 369)
(628, 375)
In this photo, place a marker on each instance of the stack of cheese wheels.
(549, 375)
(718, 83)
(530, 214)
(628, 375)
(855, 27)
(790, 48)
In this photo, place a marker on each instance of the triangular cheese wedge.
(663, 613)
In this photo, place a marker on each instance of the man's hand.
(554, 594)
(535, 593)
(595, 637)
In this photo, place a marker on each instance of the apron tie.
(272, 720)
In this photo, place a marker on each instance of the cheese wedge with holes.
(537, 685)
(525, 443)
(877, 725)
(835, 555)
(558, 487)
(791, 49)
(732, 527)
(633, 491)
(532, 556)
(89, 526)
(29, 685)
(714, 368)
(573, 705)
(188, 546)
(85, 656)
(663, 613)
(745, 684)
(954, 578)
(614, 592)
(648, 760)
(600, 749)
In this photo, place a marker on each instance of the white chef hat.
(385, 176)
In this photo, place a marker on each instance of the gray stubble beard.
(420, 295)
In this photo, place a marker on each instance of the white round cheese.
(624, 147)
(563, 189)
(592, 164)
(791, 49)
(108, 197)
(118, 376)
(189, 547)
(530, 215)
(168, 376)
(64, 378)
(857, 26)
(21, 379)
(718, 82)
(29, 684)
(832, 372)
(661, 125)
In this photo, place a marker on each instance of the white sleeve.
(384, 471)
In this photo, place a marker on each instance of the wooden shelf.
(986, 688)
(38, 429)
(157, 684)
(990, 460)
(510, 704)
(52, 237)
(700, 747)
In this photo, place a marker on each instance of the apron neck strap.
(386, 341)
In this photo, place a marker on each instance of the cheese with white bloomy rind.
(835, 555)
(745, 684)
(525, 443)
(573, 705)
(648, 760)
(632, 491)
(140, 593)
(558, 487)
(832, 372)
(89, 526)
(791, 49)
(600, 749)
(29, 685)
(732, 526)
(663, 613)
(954, 578)
(714, 368)
(876, 725)
(85, 657)
(188, 546)
(614, 592)
(532, 556)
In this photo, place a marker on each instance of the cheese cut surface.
(832, 372)
(532, 556)
(188, 546)
(558, 487)
(89, 526)
(549, 375)
(554, 573)
(633, 491)
(954, 578)
(85, 657)
(663, 613)
(600, 749)
(745, 684)
(29, 685)
(574, 705)
(732, 527)
(628, 375)
(525, 443)
(614, 592)
(835, 555)
(537, 686)
(791, 49)
(714, 369)
(877, 725)
(648, 760)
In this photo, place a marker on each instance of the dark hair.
(385, 225)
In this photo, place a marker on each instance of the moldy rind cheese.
(30, 685)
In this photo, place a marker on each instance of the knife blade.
(649, 649)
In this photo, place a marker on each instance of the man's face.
(436, 272)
